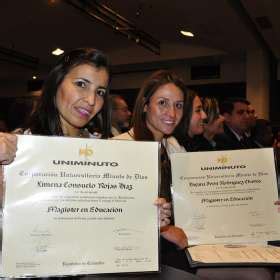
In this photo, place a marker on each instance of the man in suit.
(237, 122)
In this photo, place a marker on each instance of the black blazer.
(228, 141)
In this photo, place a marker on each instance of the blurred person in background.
(120, 115)
(237, 123)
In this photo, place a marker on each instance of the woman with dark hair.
(157, 112)
(73, 103)
(192, 123)
(75, 95)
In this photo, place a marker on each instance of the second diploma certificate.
(226, 196)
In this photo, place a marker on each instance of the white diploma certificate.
(226, 196)
(80, 206)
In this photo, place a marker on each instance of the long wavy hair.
(181, 131)
(150, 86)
(46, 118)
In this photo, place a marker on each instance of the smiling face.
(197, 118)
(80, 97)
(164, 110)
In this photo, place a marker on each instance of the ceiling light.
(57, 51)
(187, 33)
(34, 77)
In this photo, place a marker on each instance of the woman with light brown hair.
(157, 112)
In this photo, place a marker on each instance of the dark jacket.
(229, 141)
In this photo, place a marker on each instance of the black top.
(197, 144)
(169, 253)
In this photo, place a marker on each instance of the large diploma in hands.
(80, 206)
(226, 197)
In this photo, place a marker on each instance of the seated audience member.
(235, 112)
(157, 112)
(120, 115)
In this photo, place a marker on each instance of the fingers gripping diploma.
(164, 211)
(8, 147)
(171, 233)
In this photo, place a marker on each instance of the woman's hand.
(8, 147)
(175, 235)
(164, 211)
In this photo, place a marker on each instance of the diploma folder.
(233, 255)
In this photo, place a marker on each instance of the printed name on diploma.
(223, 183)
(99, 186)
